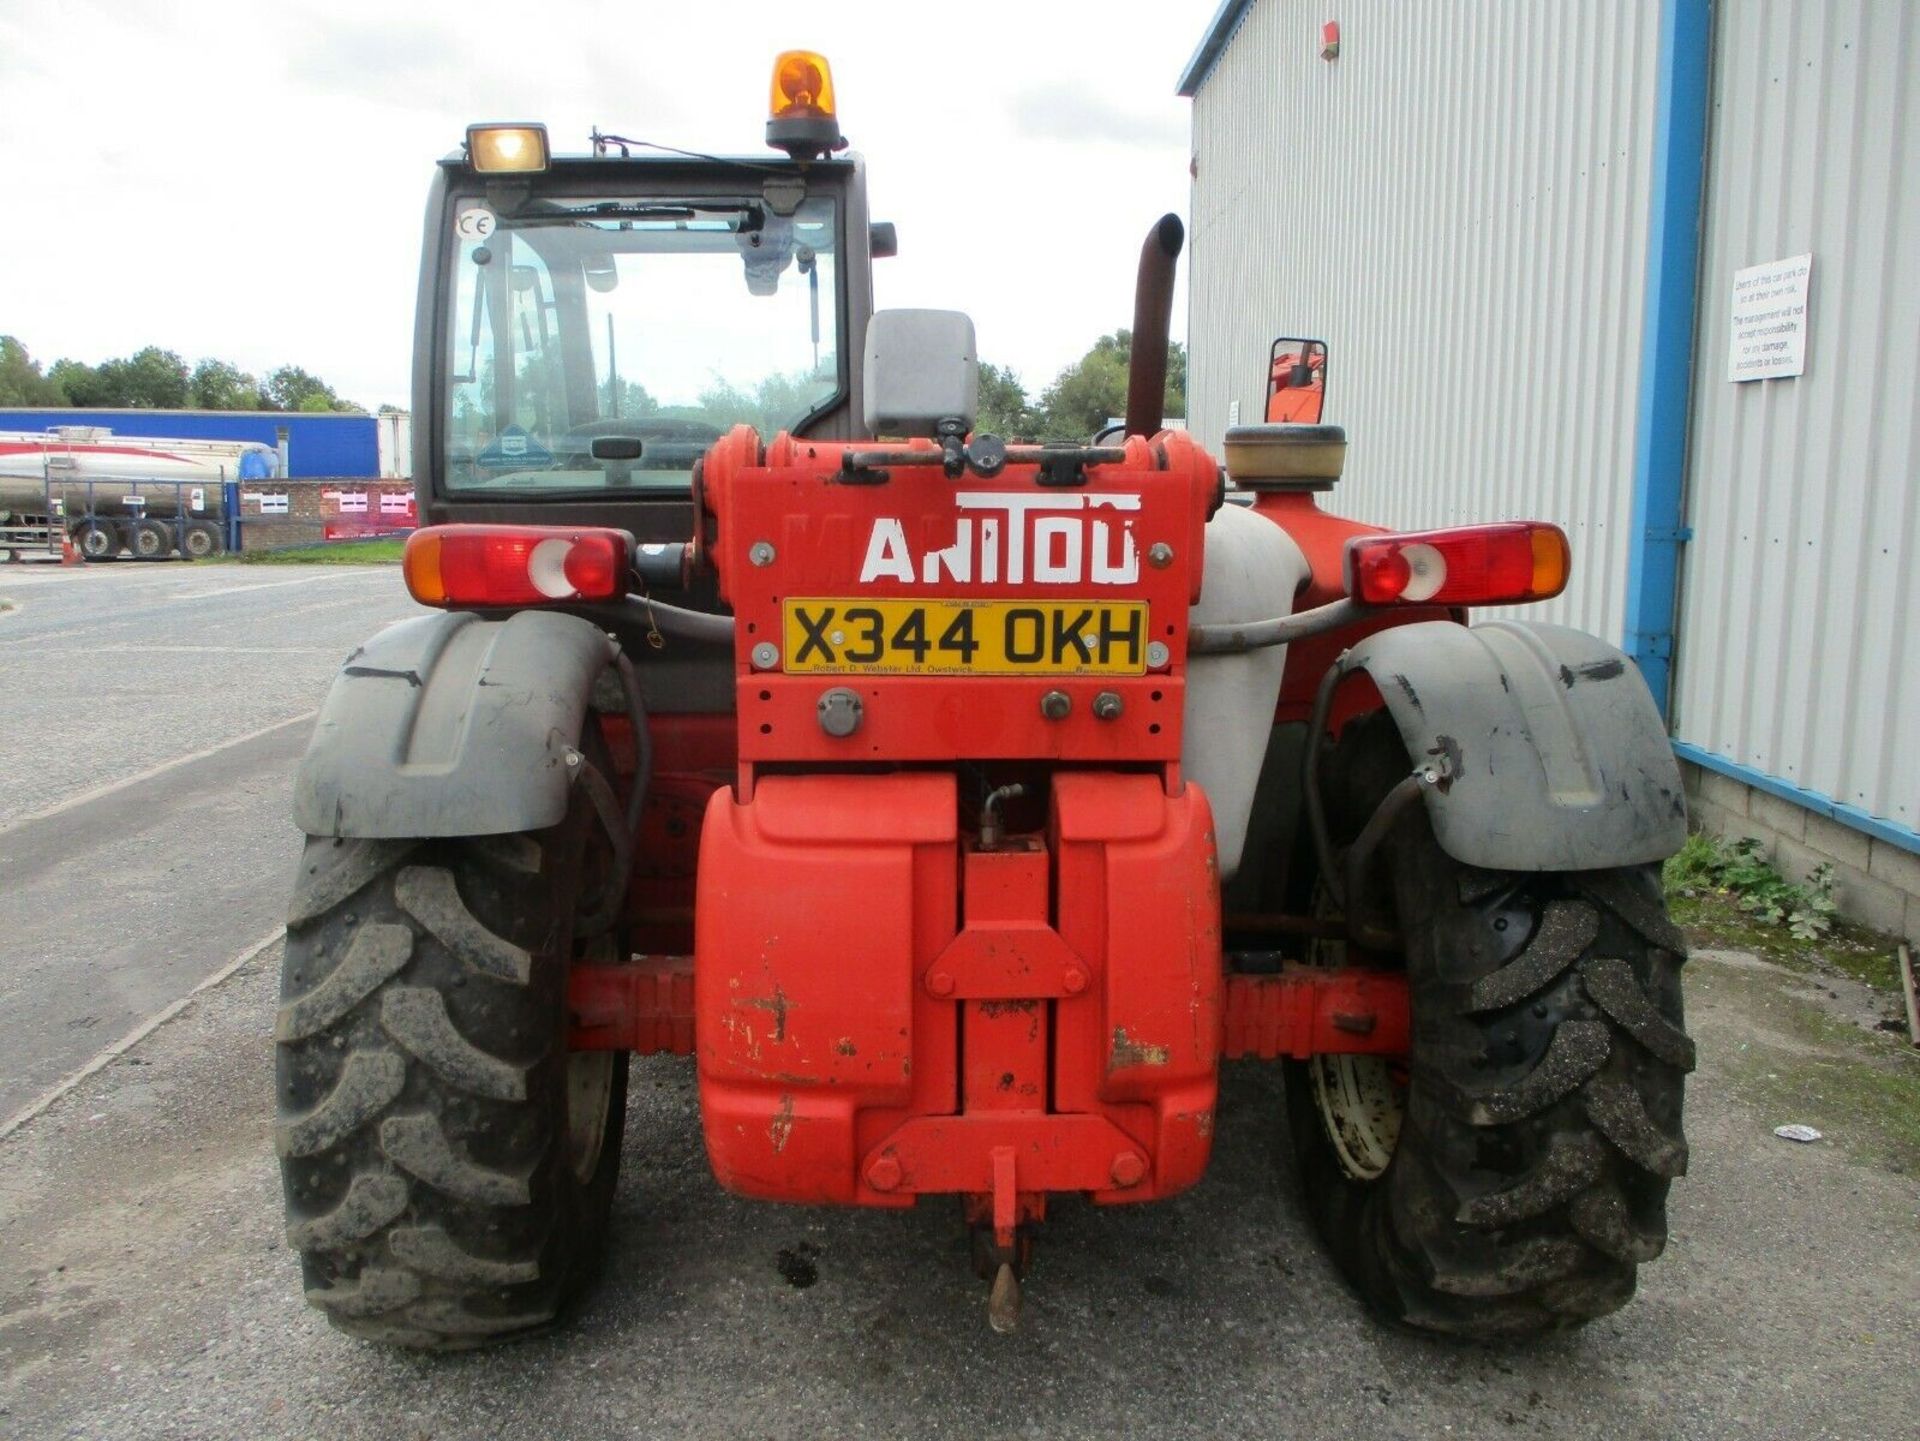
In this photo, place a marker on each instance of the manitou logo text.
(1012, 538)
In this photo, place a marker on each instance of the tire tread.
(1546, 1081)
(428, 1189)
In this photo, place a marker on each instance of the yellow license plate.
(965, 637)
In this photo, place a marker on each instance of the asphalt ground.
(146, 1289)
(150, 718)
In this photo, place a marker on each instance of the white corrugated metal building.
(1518, 227)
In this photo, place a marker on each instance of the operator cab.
(589, 325)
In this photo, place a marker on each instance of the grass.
(382, 551)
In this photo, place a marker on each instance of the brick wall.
(310, 505)
(1874, 882)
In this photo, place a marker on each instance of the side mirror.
(600, 272)
(1296, 381)
(922, 368)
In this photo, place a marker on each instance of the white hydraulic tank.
(1253, 571)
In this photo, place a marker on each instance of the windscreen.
(603, 344)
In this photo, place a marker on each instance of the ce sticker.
(474, 224)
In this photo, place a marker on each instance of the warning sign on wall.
(1770, 320)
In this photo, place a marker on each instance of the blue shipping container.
(318, 446)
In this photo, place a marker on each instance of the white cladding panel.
(1799, 636)
(1458, 206)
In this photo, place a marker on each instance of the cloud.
(391, 62)
(1081, 115)
(246, 179)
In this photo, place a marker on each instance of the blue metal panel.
(1666, 360)
(1220, 30)
(318, 446)
(1881, 829)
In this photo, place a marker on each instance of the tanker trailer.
(151, 496)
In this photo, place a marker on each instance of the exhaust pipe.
(1152, 316)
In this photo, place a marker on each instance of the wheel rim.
(589, 1091)
(589, 1098)
(1361, 1100)
(94, 542)
(199, 544)
(1361, 1107)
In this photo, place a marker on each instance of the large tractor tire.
(448, 1165)
(1511, 1177)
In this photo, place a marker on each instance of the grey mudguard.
(450, 725)
(1551, 753)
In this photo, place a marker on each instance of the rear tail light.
(1515, 561)
(501, 565)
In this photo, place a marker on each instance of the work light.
(505, 149)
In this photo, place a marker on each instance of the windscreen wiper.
(751, 217)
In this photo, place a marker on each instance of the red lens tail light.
(502, 565)
(1508, 563)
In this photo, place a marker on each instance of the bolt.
(573, 757)
(884, 1174)
(940, 983)
(760, 553)
(1159, 555)
(1075, 980)
(1157, 654)
(766, 655)
(1128, 1169)
(1107, 706)
(1055, 705)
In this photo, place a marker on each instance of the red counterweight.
(866, 1036)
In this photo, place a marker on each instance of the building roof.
(1226, 20)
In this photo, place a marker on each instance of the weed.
(1741, 871)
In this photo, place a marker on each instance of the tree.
(1088, 392)
(21, 382)
(635, 399)
(1093, 390)
(1005, 410)
(291, 388)
(149, 379)
(217, 385)
(156, 379)
(75, 380)
(776, 403)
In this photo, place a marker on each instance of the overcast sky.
(245, 180)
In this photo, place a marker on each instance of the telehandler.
(958, 806)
